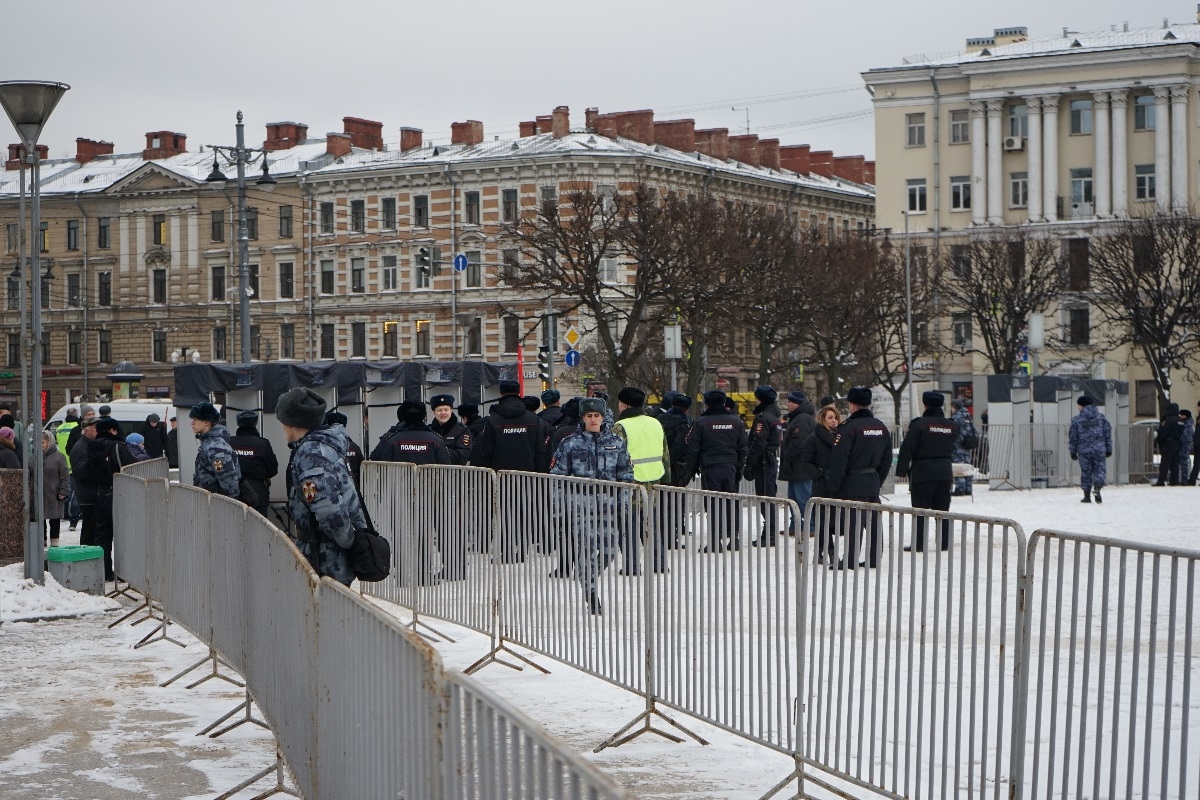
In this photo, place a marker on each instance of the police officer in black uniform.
(859, 463)
(457, 436)
(468, 414)
(925, 459)
(512, 436)
(762, 460)
(552, 413)
(354, 453)
(676, 426)
(717, 447)
(257, 459)
(410, 439)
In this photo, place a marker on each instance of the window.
(74, 347)
(421, 211)
(327, 276)
(960, 127)
(390, 277)
(285, 222)
(45, 299)
(252, 223)
(960, 193)
(218, 283)
(159, 346)
(474, 269)
(358, 275)
(327, 341)
(103, 240)
(358, 215)
(358, 340)
(46, 349)
(420, 275)
(471, 208)
(1079, 326)
(14, 237)
(915, 125)
(391, 347)
(387, 213)
(1018, 120)
(1018, 189)
(158, 225)
(74, 290)
(475, 337)
(512, 334)
(1143, 177)
(218, 226)
(1079, 277)
(962, 330)
(255, 343)
(1081, 116)
(1081, 186)
(287, 340)
(14, 294)
(104, 289)
(1146, 399)
(326, 217)
(508, 205)
(421, 342)
(160, 286)
(608, 197)
(510, 264)
(1016, 260)
(104, 340)
(14, 349)
(287, 279)
(608, 269)
(72, 234)
(1143, 112)
(550, 331)
(219, 351)
(960, 261)
(252, 279)
(549, 196)
(44, 238)
(916, 195)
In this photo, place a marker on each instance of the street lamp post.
(241, 156)
(908, 339)
(28, 105)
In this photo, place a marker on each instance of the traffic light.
(424, 261)
(435, 260)
(544, 366)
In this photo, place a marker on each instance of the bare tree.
(1145, 275)
(995, 281)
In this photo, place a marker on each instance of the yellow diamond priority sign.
(572, 336)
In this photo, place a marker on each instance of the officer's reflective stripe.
(648, 460)
(645, 441)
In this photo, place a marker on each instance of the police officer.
(676, 426)
(469, 414)
(925, 459)
(459, 440)
(1090, 443)
(216, 467)
(552, 413)
(512, 436)
(717, 447)
(647, 445)
(762, 460)
(410, 439)
(859, 463)
(354, 453)
(322, 502)
(256, 458)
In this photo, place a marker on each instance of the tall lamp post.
(242, 156)
(28, 105)
(908, 340)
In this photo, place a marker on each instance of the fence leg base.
(796, 775)
(125, 592)
(279, 788)
(145, 604)
(646, 718)
(245, 705)
(217, 661)
(493, 658)
(152, 636)
(434, 634)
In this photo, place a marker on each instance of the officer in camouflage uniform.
(217, 468)
(1090, 442)
(322, 501)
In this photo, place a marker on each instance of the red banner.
(521, 370)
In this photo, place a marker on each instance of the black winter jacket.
(862, 457)
(514, 438)
(762, 445)
(800, 425)
(255, 455)
(676, 426)
(412, 442)
(718, 437)
(552, 415)
(459, 439)
(813, 461)
(928, 448)
(156, 438)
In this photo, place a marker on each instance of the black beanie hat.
(411, 411)
(667, 399)
(681, 401)
(826, 400)
(301, 408)
(933, 399)
(859, 395)
(1172, 408)
(468, 409)
(1084, 400)
(247, 419)
(205, 411)
(603, 395)
(509, 387)
(532, 402)
(571, 408)
(766, 394)
(107, 424)
(335, 418)
(731, 404)
(798, 397)
(441, 400)
(632, 396)
(714, 398)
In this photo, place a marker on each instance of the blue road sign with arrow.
(460, 263)
(572, 358)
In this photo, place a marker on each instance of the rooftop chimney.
(869, 172)
(713, 142)
(410, 139)
(560, 124)
(338, 144)
(589, 115)
(768, 153)
(364, 133)
(164, 144)
(468, 133)
(528, 128)
(678, 134)
(821, 163)
(745, 148)
(15, 151)
(87, 149)
(635, 125)
(284, 135)
(795, 157)
(545, 123)
(849, 168)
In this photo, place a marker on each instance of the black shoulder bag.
(371, 554)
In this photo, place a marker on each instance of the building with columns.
(1059, 133)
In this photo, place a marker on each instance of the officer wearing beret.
(717, 447)
(216, 468)
(859, 463)
(459, 439)
(925, 459)
(256, 458)
(762, 460)
(354, 453)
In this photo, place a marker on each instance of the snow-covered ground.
(84, 716)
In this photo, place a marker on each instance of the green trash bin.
(78, 567)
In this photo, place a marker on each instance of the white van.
(129, 414)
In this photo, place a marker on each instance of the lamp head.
(267, 181)
(29, 105)
(216, 177)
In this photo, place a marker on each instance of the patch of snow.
(22, 599)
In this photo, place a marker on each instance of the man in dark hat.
(155, 432)
(1195, 473)
(256, 458)
(552, 413)
(676, 426)
(410, 439)
(925, 459)
(459, 440)
(717, 447)
(1090, 442)
(1169, 440)
(513, 436)
(354, 453)
(216, 468)
(85, 490)
(859, 464)
(968, 440)
(106, 454)
(762, 461)
(801, 422)
(469, 414)
(173, 443)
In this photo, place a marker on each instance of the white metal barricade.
(388, 492)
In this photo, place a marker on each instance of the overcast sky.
(137, 67)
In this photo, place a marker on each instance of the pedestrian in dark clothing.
(8, 449)
(459, 439)
(801, 422)
(354, 453)
(1192, 476)
(257, 460)
(155, 434)
(762, 461)
(1090, 443)
(216, 468)
(1186, 444)
(449, 522)
(469, 414)
(676, 426)
(717, 447)
(173, 444)
(552, 413)
(85, 490)
(1169, 440)
(86, 414)
(925, 458)
(106, 454)
(813, 466)
(512, 437)
(137, 446)
(962, 451)
(567, 425)
(861, 460)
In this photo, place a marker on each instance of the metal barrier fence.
(344, 686)
(151, 468)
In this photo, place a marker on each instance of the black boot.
(1087, 496)
(593, 601)
(1099, 499)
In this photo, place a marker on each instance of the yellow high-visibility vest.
(644, 437)
(61, 435)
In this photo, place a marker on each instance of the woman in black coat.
(814, 461)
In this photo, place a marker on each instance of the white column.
(978, 160)
(1162, 148)
(1120, 155)
(1179, 154)
(1034, 152)
(1050, 157)
(1100, 138)
(995, 186)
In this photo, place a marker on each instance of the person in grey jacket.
(217, 468)
(56, 484)
(1090, 442)
(801, 422)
